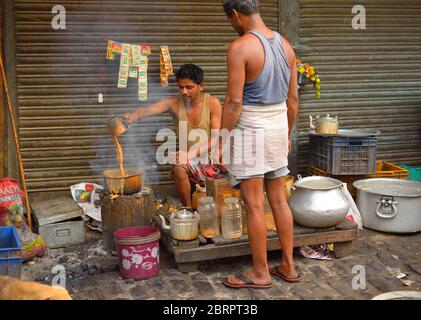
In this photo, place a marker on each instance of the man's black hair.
(246, 7)
(190, 71)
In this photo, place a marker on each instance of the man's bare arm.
(292, 100)
(236, 78)
(159, 107)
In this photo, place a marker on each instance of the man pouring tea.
(194, 109)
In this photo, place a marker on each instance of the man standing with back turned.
(262, 103)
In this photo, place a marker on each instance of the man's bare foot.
(287, 270)
(253, 276)
(286, 273)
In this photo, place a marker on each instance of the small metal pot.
(117, 126)
(318, 202)
(116, 184)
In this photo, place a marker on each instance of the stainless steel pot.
(390, 205)
(129, 184)
(318, 202)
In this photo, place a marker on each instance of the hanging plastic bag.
(354, 214)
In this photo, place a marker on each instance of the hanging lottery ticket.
(110, 52)
(143, 79)
(124, 66)
(133, 63)
(166, 68)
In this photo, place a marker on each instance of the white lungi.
(260, 142)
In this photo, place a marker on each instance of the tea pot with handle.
(184, 225)
(324, 125)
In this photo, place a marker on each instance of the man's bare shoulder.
(173, 103)
(242, 42)
(214, 103)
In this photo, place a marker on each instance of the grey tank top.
(271, 87)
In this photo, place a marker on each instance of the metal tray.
(352, 133)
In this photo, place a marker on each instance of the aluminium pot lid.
(184, 214)
(349, 133)
(327, 118)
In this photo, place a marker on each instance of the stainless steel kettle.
(324, 125)
(184, 225)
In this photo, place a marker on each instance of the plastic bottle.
(231, 219)
(206, 208)
(199, 193)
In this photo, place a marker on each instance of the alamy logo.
(359, 21)
(60, 276)
(359, 281)
(59, 21)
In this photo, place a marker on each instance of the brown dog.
(15, 289)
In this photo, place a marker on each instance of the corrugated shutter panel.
(370, 78)
(61, 73)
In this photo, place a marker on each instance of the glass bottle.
(231, 219)
(206, 208)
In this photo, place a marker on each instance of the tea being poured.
(120, 157)
(117, 127)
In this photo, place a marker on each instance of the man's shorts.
(271, 175)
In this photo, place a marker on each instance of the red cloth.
(199, 172)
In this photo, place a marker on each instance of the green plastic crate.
(414, 173)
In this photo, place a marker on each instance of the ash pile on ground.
(78, 261)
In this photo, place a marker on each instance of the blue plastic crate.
(344, 155)
(11, 252)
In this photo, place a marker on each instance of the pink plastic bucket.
(138, 252)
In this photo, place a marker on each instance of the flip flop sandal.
(247, 283)
(274, 271)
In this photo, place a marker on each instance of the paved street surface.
(93, 274)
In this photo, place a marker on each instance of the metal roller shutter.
(61, 72)
(370, 78)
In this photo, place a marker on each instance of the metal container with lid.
(59, 221)
(184, 225)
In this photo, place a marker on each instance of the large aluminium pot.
(318, 202)
(389, 205)
(129, 184)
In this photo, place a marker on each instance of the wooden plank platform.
(187, 254)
